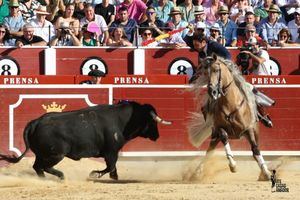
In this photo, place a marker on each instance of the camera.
(243, 59)
(64, 31)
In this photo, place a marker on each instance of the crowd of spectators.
(132, 22)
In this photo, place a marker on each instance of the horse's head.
(215, 70)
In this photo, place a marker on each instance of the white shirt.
(293, 28)
(43, 31)
(265, 67)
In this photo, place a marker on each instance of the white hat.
(297, 10)
(198, 10)
(42, 10)
(249, 10)
(215, 26)
(252, 40)
(200, 25)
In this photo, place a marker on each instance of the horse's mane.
(200, 129)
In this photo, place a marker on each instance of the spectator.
(260, 59)
(294, 25)
(174, 40)
(29, 39)
(118, 38)
(65, 37)
(79, 9)
(27, 8)
(200, 28)
(250, 31)
(147, 35)
(107, 11)
(249, 19)
(228, 27)
(136, 9)
(215, 34)
(256, 3)
(14, 22)
(176, 19)
(270, 27)
(4, 7)
(211, 9)
(187, 10)
(68, 16)
(56, 8)
(163, 8)
(287, 8)
(298, 38)
(88, 38)
(284, 38)
(42, 27)
(238, 11)
(152, 22)
(96, 76)
(262, 11)
(128, 25)
(199, 15)
(91, 16)
(5, 38)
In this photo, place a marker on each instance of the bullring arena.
(170, 168)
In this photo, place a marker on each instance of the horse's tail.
(29, 129)
(199, 129)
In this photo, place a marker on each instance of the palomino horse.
(230, 110)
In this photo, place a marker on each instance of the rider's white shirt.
(265, 67)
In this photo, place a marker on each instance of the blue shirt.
(229, 31)
(15, 24)
(269, 32)
(163, 13)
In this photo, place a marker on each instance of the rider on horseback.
(206, 48)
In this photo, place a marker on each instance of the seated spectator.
(107, 11)
(56, 8)
(79, 9)
(199, 15)
(5, 38)
(211, 8)
(294, 25)
(68, 16)
(238, 11)
(229, 28)
(215, 34)
(118, 38)
(14, 22)
(152, 22)
(29, 39)
(4, 7)
(176, 19)
(42, 27)
(270, 26)
(162, 9)
(249, 19)
(287, 8)
(129, 25)
(136, 9)
(250, 31)
(91, 16)
(284, 38)
(187, 10)
(27, 9)
(88, 38)
(147, 38)
(262, 11)
(174, 40)
(65, 37)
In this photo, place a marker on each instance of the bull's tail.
(28, 130)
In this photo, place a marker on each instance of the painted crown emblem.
(54, 107)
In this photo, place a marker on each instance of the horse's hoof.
(233, 168)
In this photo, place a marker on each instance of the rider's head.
(199, 41)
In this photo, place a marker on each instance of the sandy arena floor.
(150, 179)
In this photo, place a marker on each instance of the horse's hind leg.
(257, 155)
(229, 154)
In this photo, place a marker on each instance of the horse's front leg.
(257, 155)
(229, 154)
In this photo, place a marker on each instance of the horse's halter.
(215, 91)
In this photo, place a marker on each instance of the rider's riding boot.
(263, 117)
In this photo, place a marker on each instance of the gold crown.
(54, 107)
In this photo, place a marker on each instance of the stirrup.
(266, 120)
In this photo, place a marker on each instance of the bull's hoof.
(114, 176)
(233, 168)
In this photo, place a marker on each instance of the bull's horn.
(159, 120)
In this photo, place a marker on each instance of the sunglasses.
(251, 31)
(146, 34)
(150, 13)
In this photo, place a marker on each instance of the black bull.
(99, 131)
